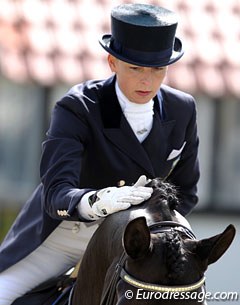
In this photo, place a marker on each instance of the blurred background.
(47, 46)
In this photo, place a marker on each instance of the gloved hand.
(113, 199)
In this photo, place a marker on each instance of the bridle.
(164, 226)
(120, 272)
(126, 277)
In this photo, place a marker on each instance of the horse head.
(148, 254)
(164, 262)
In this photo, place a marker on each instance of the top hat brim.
(145, 59)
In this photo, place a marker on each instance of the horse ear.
(211, 249)
(136, 238)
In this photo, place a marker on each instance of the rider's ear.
(209, 250)
(136, 238)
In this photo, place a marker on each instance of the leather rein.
(120, 272)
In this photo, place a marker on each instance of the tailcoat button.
(121, 183)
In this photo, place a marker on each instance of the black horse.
(148, 255)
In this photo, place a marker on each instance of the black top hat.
(143, 35)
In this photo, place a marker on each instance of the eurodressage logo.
(170, 295)
(142, 294)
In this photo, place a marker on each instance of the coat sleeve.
(61, 160)
(185, 174)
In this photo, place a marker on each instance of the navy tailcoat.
(90, 145)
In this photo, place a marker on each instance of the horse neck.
(158, 211)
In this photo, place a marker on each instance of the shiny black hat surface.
(143, 35)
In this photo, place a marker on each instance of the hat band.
(148, 57)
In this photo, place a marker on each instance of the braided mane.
(175, 260)
(164, 191)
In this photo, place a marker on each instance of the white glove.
(113, 199)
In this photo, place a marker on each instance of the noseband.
(120, 272)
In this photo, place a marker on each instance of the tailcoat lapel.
(157, 143)
(124, 138)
